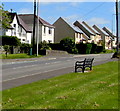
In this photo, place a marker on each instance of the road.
(27, 71)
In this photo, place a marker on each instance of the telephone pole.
(117, 42)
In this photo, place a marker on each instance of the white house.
(22, 27)
(46, 30)
(18, 28)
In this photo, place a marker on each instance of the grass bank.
(17, 56)
(97, 89)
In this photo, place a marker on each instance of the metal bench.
(83, 64)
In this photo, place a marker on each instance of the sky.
(99, 13)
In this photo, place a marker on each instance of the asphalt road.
(25, 71)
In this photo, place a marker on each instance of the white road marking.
(34, 74)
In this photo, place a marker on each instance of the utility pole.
(37, 37)
(33, 50)
(117, 42)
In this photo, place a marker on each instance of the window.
(44, 29)
(23, 39)
(14, 25)
(50, 31)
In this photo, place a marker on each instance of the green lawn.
(17, 56)
(97, 89)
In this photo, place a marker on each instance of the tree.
(4, 18)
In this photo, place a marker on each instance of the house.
(65, 29)
(98, 37)
(114, 38)
(18, 28)
(106, 39)
(86, 30)
(46, 30)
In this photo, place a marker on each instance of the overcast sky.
(99, 13)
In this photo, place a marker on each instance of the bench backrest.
(88, 61)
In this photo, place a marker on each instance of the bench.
(83, 64)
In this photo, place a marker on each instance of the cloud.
(25, 11)
(98, 21)
(59, 1)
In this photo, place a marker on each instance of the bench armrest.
(79, 62)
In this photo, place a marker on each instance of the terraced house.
(106, 38)
(64, 28)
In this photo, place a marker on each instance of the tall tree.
(4, 18)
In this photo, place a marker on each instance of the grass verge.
(97, 89)
(17, 56)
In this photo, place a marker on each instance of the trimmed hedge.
(55, 46)
(89, 48)
(10, 40)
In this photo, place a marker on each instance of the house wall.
(62, 30)
(107, 43)
(43, 36)
(97, 39)
(47, 34)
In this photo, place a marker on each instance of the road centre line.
(34, 74)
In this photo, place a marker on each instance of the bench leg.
(75, 69)
(83, 69)
(90, 68)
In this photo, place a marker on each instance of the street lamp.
(33, 51)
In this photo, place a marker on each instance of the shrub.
(81, 48)
(67, 44)
(25, 48)
(44, 45)
(99, 49)
(88, 48)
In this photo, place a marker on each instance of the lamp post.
(37, 36)
(33, 52)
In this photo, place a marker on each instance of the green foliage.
(97, 89)
(6, 48)
(55, 46)
(10, 40)
(5, 19)
(68, 44)
(81, 48)
(88, 48)
(44, 45)
(18, 56)
(25, 48)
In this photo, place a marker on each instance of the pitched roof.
(90, 28)
(28, 19)
(83, 28)
(100, 30)
(19, 20)
(11, 15)
(25, 26)
(71, 25)
(108, 31)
